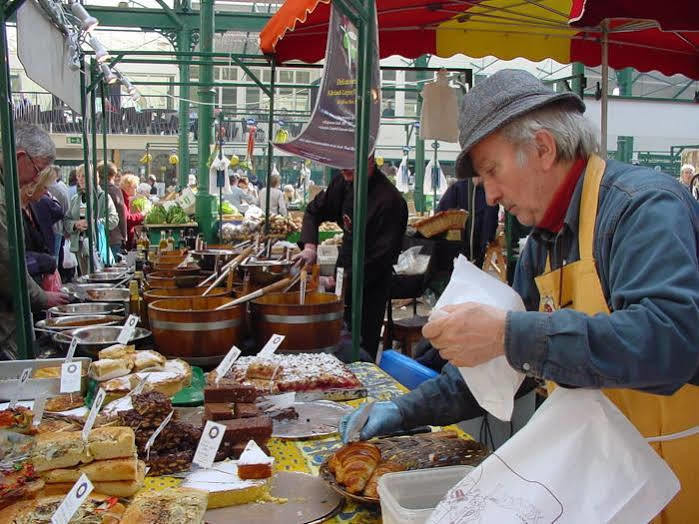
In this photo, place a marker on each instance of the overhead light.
(89, 22)
(101, 53)
(108, 74)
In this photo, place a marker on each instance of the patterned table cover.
(307, 455)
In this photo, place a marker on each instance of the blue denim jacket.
(647, 251)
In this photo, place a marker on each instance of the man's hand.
(56, 298)
(326, 282)
(81, 225)
(307, 257)
(469, 335)
(385, 418)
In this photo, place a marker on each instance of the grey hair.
(34, 141)
(687, 167)
(575, 135)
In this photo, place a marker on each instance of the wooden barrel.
(192, 329)
(312, 327)
(152, 295)
(167, 280)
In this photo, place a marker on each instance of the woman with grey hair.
(277, 203)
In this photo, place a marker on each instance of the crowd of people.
(245, 192)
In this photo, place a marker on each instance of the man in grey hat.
(609, 276)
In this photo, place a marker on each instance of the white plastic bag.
(410, 262)
(493, 383)
(69, 259)
(578, 460)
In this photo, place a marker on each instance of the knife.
(354, 431)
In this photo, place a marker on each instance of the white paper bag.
(493, 383)
(578, 460)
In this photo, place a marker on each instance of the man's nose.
(492, 194)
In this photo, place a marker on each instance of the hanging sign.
(329, 136)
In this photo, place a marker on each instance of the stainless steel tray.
(107, 295)
(92, 339)
(10, 371)
(87, 308)
(316, 419)
(69, 322)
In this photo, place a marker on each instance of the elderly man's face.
(524, 191)
(686, 176)
(29, 167)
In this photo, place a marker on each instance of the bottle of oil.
(170, 241)
(134, 298)
(162, 245)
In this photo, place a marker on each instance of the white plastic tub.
(411, 496)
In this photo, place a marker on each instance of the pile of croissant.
(358, 466)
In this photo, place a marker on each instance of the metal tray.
(11, 370)
(86, 308)
(107, 295)
(68, 322)
(92, 339)
(316, 419)
(106, 276)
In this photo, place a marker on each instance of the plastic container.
(409, 497)
(405, 370)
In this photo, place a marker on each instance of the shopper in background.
(129, 184)
(239, 197)
(153, 188)
(118, 235)
(386, 220)
(277, 204)
(35, 151)
(75, 223)
(72, 183)
(688, 179)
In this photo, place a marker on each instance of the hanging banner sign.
(329, 136)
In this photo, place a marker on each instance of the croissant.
(354, 464)
(371, 489)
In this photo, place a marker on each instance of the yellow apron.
(658, 418)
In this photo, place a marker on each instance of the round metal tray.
(69, 322)
(93, 339)
(316, 419)
(108, 295)
(106, 276)
(86, 308)
(324, 473)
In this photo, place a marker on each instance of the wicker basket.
(441, 222)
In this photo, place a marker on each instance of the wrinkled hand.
(384, 419)
(469, 335)
(326, 282)
(81, 225)
(306, 257)
(56, 298)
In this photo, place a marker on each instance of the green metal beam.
(171, 14)
(86, 161)
(270, 147)
(184, 43)
(151, 19)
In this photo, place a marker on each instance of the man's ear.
(546, 149)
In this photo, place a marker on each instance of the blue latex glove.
(385, 418)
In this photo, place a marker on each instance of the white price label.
(71, 349)
(139, 387)
(71, 374)
(209, 443)
(271, 346)
(38, 409)
(151, 440)
(339, 279)
(128, 330)
(75, 497)
(26, 373)
(96, 406)
(226, 363)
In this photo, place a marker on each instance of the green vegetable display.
(176, 215)
(141, 204)
(157, 215)
(227, 208)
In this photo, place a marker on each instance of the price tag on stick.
(96, 406)
(38, 409)
(271, 346)
(75, 497)
(339, 280)
(128, 330)
(71, 375)
(226, 363)
(151, 440)
(26, 373)
(209, 443)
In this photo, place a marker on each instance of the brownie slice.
(245, 410)
(244, 429)
(218, 411)
(233, 450)
(230, 393)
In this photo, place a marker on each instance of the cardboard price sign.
(96, 406)
(128, 330)
(226, 363)
(75, 497)
(71, 376)
(271, 346)
(209, 443)
(339, 280)
(26, 373)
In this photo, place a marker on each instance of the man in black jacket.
(387, 217)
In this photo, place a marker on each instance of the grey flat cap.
(497, 101)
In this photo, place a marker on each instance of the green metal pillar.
(204, 200)
(366, 31)
(184, 43)
(624, 150)
(577, 83)
(15, 233)
(86, 161)
(270, 147)
(105, 169)
(419, 195)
